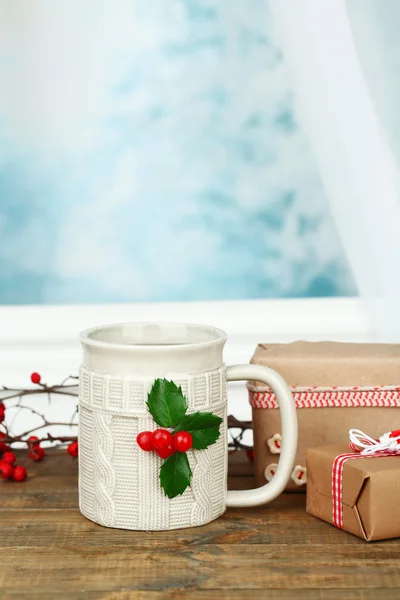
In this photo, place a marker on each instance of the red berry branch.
(12, 404)
(237, 430)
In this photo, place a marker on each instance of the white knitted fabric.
(118, 482)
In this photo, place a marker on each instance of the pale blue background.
(149, 151)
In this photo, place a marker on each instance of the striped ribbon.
(334, 397)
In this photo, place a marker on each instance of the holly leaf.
(166, 403)
(203, 427)
(175, 474)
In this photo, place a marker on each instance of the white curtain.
(325, 43)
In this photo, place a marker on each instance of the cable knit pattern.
(105, 475)
(86, 462)
(219, 468)
(202, 507)
(119, 484)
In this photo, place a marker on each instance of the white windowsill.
(45, 338)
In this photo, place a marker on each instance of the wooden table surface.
(48, 550)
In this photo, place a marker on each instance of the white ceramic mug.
(119, 483)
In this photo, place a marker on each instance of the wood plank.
(48, 550)
(213, 567)
(271, 594)
(256, 526)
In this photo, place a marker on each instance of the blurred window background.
(150, 151)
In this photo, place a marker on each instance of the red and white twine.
(363, 446)
(332, 397)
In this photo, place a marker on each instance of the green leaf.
(175, 474)
(166, 403)
(203, 427)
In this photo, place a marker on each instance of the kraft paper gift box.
(336, 387)
(370, 491)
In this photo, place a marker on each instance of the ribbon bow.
(388, 444)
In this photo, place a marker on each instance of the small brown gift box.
(370, 492)
(335, 386)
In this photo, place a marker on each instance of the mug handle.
(287, 457)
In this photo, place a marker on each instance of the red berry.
(161, 439)
(2, 415)
(2, 406)
(73, 449)
(9, 457)
(33, 441)
(37, 453)
(165, 452)
(250, 454)
(182, 441)
(144, 440)
(35, 378)
(5, 470)
(3, 446)
(19, 473)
